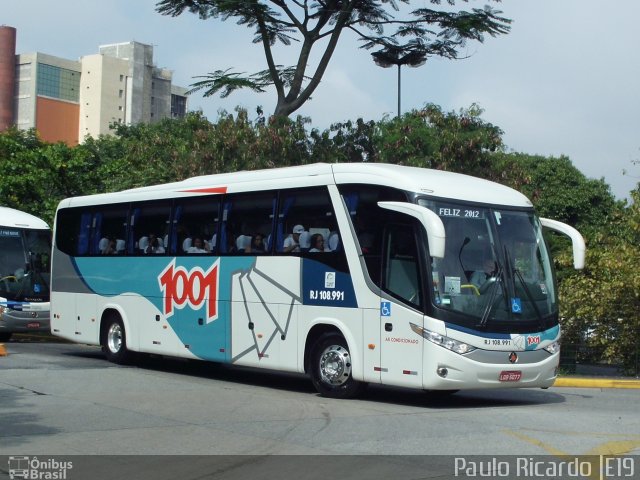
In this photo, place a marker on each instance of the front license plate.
(510, 376)
(33, 325)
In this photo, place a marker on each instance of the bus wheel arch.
(113, 337)
(328, 361)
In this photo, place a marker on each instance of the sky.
(564, 81)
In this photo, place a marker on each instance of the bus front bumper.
(20, 321)
(491, 369)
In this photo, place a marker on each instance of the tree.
(421, 32)
(558, 189)
(175, 149)
(37, 175)
(429, 138)
(600, 305)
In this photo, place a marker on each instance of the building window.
(178, 106)
(58, 82)
(121, 78)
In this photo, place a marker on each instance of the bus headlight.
(553, 348)
(443, 341)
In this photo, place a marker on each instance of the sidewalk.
(596, 376)
(596, 382)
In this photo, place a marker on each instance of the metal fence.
(584, 359)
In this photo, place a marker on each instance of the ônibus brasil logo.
(181, 287)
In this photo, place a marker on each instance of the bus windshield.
(496, 269)
(24, 264)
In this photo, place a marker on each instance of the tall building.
(68, 100)
(7, 74)
(46, 96)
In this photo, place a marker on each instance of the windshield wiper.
(529, 296)
(515, 273)
(492, 296)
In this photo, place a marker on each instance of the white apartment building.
(69, 100)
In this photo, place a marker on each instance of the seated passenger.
(317, 243)
(197, 246)
(154, 245)
(480, 277)
(257, 244)
(291, 243)
(243, 244)
(110, 249)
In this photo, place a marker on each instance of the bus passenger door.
(400, 307)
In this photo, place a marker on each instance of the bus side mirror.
(429, 220)
(577, 241)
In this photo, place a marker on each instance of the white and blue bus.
(353, 273)
(25, 249)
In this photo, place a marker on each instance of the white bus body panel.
(269, 325)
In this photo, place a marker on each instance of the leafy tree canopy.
(558, 189)
(600, 305)
(396, 32)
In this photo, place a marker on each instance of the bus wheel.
(331, 368)
(114, 341)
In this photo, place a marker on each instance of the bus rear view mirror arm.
(431, 222)
(577, 241)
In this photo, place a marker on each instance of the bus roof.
(10, 217)
(434, 183)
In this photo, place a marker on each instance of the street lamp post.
(388, 58)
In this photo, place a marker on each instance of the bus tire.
(114, 341)
(331, 368)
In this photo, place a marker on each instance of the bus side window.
(68, 231)
(150, 219)
(109, 230)
(194, 218)
(401, 264)
(310, 209)
(369, 220)
(247, 218)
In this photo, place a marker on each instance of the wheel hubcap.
(114, 338)
(335, 365)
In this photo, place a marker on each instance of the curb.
(3, 350)
(587, 382)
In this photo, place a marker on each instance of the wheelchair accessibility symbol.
(385, 309)
(516, 305)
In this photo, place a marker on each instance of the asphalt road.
(65, 399)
